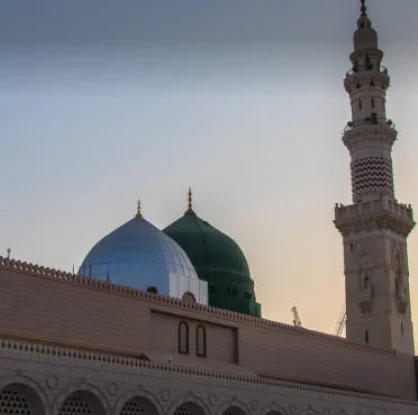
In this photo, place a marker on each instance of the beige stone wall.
(46, 376)
(72, 310)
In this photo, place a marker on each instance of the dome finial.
(138, 209)
(363, 8)
(189, 202)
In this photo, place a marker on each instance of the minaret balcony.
(360, 71)
(377, 214)
(355, 131)
(356, 79)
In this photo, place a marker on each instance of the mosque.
(166, 321)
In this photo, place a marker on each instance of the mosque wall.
(78, 311)
(291, 355)
(50, 380)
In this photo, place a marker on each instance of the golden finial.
(363, 8)
(138, 209)
(190, 202)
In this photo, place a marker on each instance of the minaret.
(375, 227)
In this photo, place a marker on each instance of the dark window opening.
(366, 336)
(372, 83)
(200, 341)
(366, 283)
(358, 86)
(374, 118)
(183, 338)
(373, 104)
(360, 104)
(402, 328)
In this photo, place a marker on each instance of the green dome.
(218, 260)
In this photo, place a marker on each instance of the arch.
(20, 399)
(83, 395)
(29, 390)
(190, 402)
(138, 406)
(189, 408)
(273, 410)
(145, 400)
(233, 408)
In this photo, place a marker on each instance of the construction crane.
(296, 318)
(342, 319)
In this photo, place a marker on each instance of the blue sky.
(105, 102)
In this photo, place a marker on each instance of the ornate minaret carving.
(375, 227)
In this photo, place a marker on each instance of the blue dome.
(138, 255)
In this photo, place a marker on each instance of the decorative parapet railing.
(358, 71)
(368, 121)
(46, 349)
(376, 214)
(91, 283)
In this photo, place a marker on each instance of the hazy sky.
(103, 102)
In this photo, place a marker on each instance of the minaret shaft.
(376, 226)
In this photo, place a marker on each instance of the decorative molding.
(213, 400)
(379, 214)
(165, 395)
(26, 347)
(113, 388)
(254, 404)
(52, 382)
(102, 286)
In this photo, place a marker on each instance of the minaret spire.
(138, 209)
(189, 210)
(363, 8)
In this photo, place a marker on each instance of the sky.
(105, 102)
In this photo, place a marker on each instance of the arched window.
(183, 337)
(366, 336)
(200, 341)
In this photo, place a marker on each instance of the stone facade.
(70, 343)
